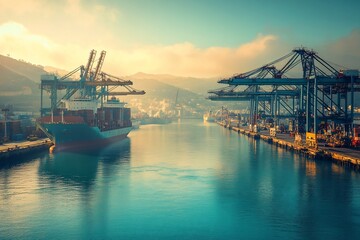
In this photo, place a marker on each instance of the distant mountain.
(19, 83)
(25, 69)
(166, 92)
(159, 90)
(18, 77)
(14, 84)
(196, 85)
(55, 70)
(21, 78)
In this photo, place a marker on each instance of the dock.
(343, 156)
(16, 149)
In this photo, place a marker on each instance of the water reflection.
(116, 157)
(8, 164)
(64, 189)
(69, 168)
(182, 180)
(81, 169)
(294, 198)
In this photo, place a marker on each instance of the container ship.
(81, 124)
(84, 113)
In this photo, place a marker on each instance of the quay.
(311, 102)
(16, 149)
(343, 156)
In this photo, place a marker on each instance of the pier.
(343, 156)
(319, 102)
(16, 149)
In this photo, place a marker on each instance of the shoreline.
(343, 156)
(21, 148)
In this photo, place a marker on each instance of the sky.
(199, 38)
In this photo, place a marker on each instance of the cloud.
(15, 38)
(183, 59)
(18, 42)
(89, 14)
(178, 59)
(64, 21)
(20, 8)
(77, 10)
(256, 47)
(62, 33)
(344, 51)
(188, 60)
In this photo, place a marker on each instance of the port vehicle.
(32, 138)
(355, 141)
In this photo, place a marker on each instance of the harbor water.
(184, 180)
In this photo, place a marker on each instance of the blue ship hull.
(76, 136)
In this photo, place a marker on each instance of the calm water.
(185, 180)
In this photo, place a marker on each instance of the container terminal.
(18, 134)
(313, 112)
(82, 112)
(343, 156)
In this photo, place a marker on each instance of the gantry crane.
(322, 93)
(93, 84)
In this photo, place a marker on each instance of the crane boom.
(89, 64)
(99, 65)
(91, 84)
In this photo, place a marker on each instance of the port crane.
(92, 84)
(321, 93)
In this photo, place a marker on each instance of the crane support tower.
(91, 84)
(321, 94)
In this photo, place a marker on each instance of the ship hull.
(80, 136)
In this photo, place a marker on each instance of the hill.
(56, 71)
(14, 84)
(19, 83)
(196, 85)
(28, 70)
(187, 92)
(20, 80)
(160, 90)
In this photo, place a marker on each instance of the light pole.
(5, 111)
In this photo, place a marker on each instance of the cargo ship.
(85, 114)
(82, 124)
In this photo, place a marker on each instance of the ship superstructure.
(84, 113)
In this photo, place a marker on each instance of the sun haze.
(204, 38)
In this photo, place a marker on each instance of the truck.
(355, 141)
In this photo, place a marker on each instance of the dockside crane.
(322, 93)
(87, 70)
(93, 84)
